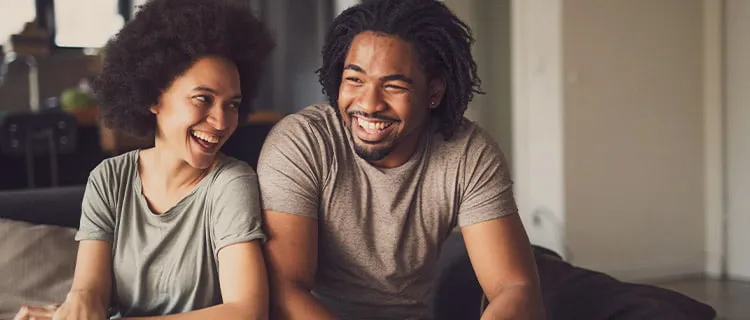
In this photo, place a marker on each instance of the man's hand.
(81, 305)
(36, 313)
(513, 303)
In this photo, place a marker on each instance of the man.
(359, 196)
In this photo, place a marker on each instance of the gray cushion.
(36, 264)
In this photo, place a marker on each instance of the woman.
(174, 231)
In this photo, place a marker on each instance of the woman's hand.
(36, 312)
(80, 305)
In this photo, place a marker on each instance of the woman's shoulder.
(116, 168)
(232, 179)
(229, 169)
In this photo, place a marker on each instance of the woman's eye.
(203, 99)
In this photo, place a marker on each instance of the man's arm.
(292, 255)
(501, 255)
(244, 288)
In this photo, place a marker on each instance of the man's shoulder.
(467, 136)
(318, 112)
(314, 126)
(314, 117)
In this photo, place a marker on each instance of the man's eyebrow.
(354, 67)
(391, 77)
(398, 77)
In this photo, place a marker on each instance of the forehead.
(214, 71)
(380, 54)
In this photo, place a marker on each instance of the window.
(13, 15)
(134, 6)
(86, 23)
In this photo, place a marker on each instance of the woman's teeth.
(205, 137)
(372, 125)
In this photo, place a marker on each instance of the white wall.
(499, 45)
(738, 137)
(490, 23)
(537, 114)
(713, 135)
(633, 127)
(608, 128)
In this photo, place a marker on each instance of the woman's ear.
(154, 108)
(437, 91)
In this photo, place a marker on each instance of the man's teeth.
(206, 137)
(372, 125)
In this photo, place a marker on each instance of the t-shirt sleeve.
(289, 168)
(97, 208)
(236, 214)
(488, 189)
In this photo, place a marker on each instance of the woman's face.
(197, 113)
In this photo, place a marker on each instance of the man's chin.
(371, 153)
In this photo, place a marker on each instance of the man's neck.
(405, 150)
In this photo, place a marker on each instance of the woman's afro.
(162, 41)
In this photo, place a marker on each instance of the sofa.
(37, 260)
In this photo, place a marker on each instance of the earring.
(432, 103)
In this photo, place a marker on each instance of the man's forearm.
(298, 303)
(520, 302)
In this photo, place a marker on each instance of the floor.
(731, 299)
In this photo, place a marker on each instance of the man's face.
(385, 98)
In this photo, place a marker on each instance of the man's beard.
(373, 154)
(364, 150)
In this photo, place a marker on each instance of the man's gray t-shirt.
(380, 230)
(167, 263)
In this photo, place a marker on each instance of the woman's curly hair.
(443, 43)
(163, 40)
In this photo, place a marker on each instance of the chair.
(29, 134)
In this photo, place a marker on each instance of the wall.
(713, 135)
(290, 82)
(490, 24)
(537, 111)
(738, 137)
(633, 127)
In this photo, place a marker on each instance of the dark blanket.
(569, 292)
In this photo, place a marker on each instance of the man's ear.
(436, 91)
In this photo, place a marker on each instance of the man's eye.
(354, 79)
(396, 88)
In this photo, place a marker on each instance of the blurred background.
(626, 123)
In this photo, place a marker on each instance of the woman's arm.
(89, 295)
(244, 287)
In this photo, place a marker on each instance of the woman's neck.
(166, 173)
